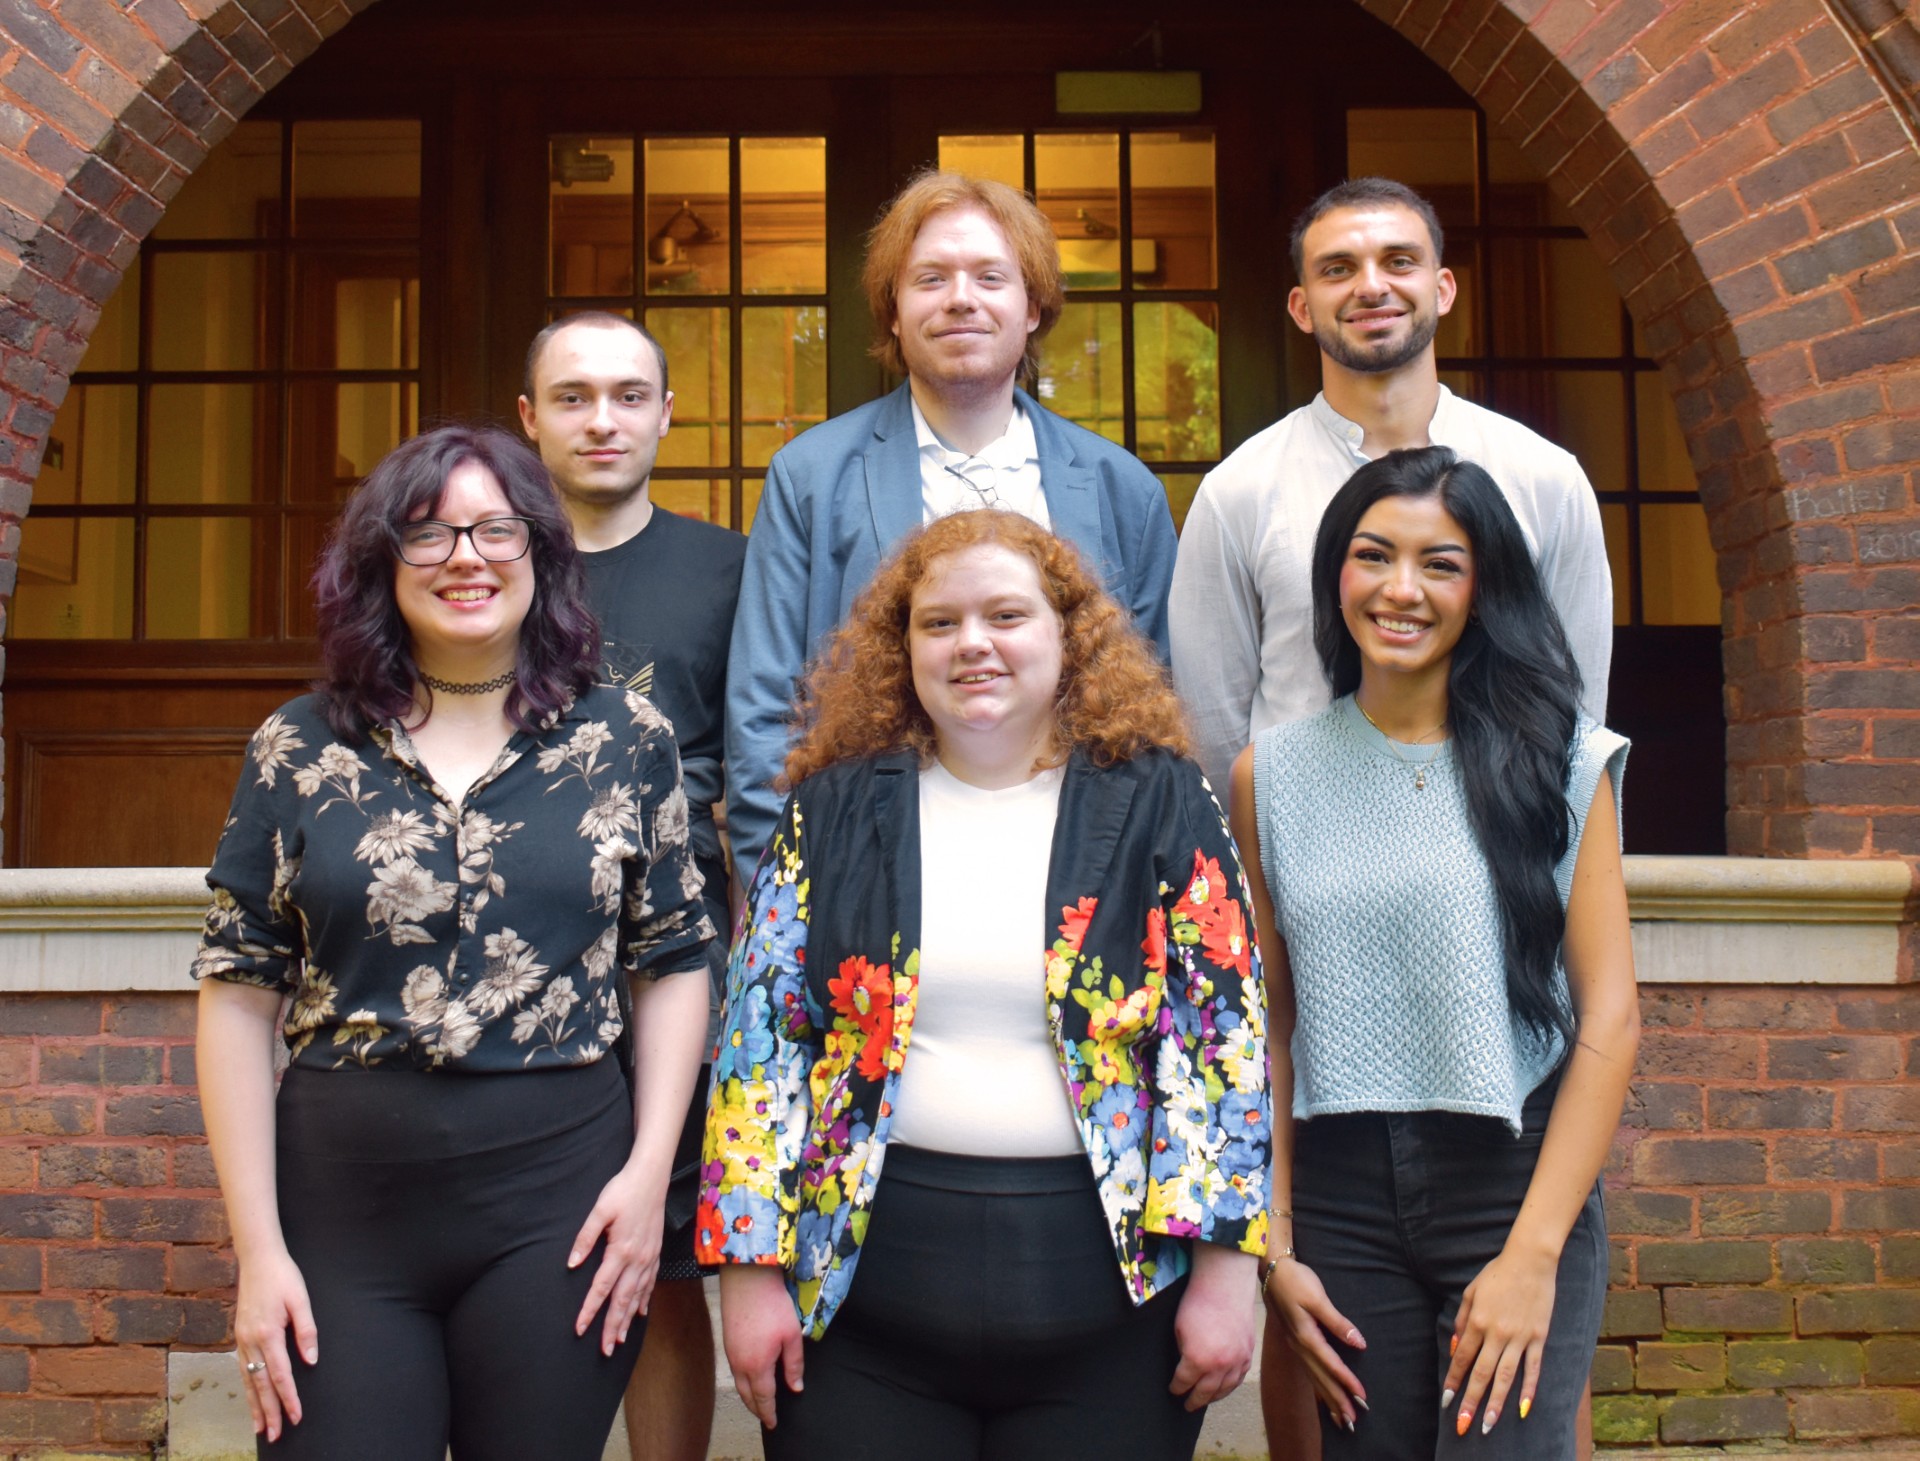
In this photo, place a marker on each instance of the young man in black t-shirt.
(596, 407)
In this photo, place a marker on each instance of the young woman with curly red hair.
(1000, 945)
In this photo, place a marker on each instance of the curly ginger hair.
(858, 699)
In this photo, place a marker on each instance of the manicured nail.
(1354, 1339)
(1487, 1420)
(1460, 1426)
(1526, 1404)
(1446, 1399)
(1453, 1345)
(1361, 1401)
(1349, 1425)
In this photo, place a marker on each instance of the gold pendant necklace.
(1419, 767)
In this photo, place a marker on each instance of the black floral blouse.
(483, 936)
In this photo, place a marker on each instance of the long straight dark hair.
(1513, 693)
(364, 643)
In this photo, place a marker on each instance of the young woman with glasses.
(440, 875)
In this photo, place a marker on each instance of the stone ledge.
(1696, 920)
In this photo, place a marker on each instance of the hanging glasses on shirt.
(987, 493)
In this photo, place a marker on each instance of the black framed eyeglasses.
(427, 543)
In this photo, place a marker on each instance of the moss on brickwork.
(1625, 1420)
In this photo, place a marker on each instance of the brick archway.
(1747, 172)
(1742, 169)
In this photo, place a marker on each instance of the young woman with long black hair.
(1438, 892)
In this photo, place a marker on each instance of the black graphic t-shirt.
(665, 599)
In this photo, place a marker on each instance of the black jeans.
(431, 1215)
(988, 1321)
(1397, 1213)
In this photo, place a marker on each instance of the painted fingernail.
(1349, 1425)
(1361, 1401)
(1526, 1404)
(1354, 1339)
(1460, 1426)
(1487, 1420)
(1453, 1345)
(1446, 1399)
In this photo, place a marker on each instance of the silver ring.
(254, 1367)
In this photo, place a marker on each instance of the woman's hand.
(272, 1299)
(760, 1329)
(631, 1213)
(1501, 1327)
(1307, 1317)
(1218, 1325)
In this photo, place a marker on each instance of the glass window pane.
(1665, 465)
(211, 444)
(590, 215)
(783, 375)
(695, 341)
(1173, 203)
(235, 193)
(338, 432)
(688, 198)
(214, 312)
(1001, 157)
(1516, 193)
(750, 501)
(1430, 149)
(1679, 580)
(76, 579)
(1180, 487)
(710, 501)
(1469, 385)
(1176, 389)
(356, 311)
(783, 215)
(1613, 523)
(115, 341)
(1076, 178)
(200, 575)
(1584, 411)
(90, 450)
(1553, 297)
(306, 535)
(356, 179)
(1081, 370)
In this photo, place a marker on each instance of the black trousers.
(1397, 1213)
(987, 1321)
(431, 1216)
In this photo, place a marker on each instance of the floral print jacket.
(1152, 990)
(484, 936)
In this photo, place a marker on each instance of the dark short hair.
(365, 648)
(1513, 694)
(592, 319)
(1016, 215)
(1363, 193)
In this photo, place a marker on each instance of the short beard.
(1334, 345)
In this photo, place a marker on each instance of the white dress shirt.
(1003, 473)
(1241, 608)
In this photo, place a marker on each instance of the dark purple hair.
(365, 644)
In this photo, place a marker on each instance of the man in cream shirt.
(1371, 293)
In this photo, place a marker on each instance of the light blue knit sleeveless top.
(1390, 920)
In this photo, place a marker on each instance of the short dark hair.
(1513, 694)
(592, 319)
(365, 648)
(1362, 193)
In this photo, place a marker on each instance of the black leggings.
(431, 1216)
(987, 1321)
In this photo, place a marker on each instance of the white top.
(1240, 611)
(982, 1075)
(1004, 473)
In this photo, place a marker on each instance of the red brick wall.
(111, 1229)
(1764, 1200)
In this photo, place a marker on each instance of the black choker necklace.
(478, 687)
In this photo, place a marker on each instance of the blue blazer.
(836, 501)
